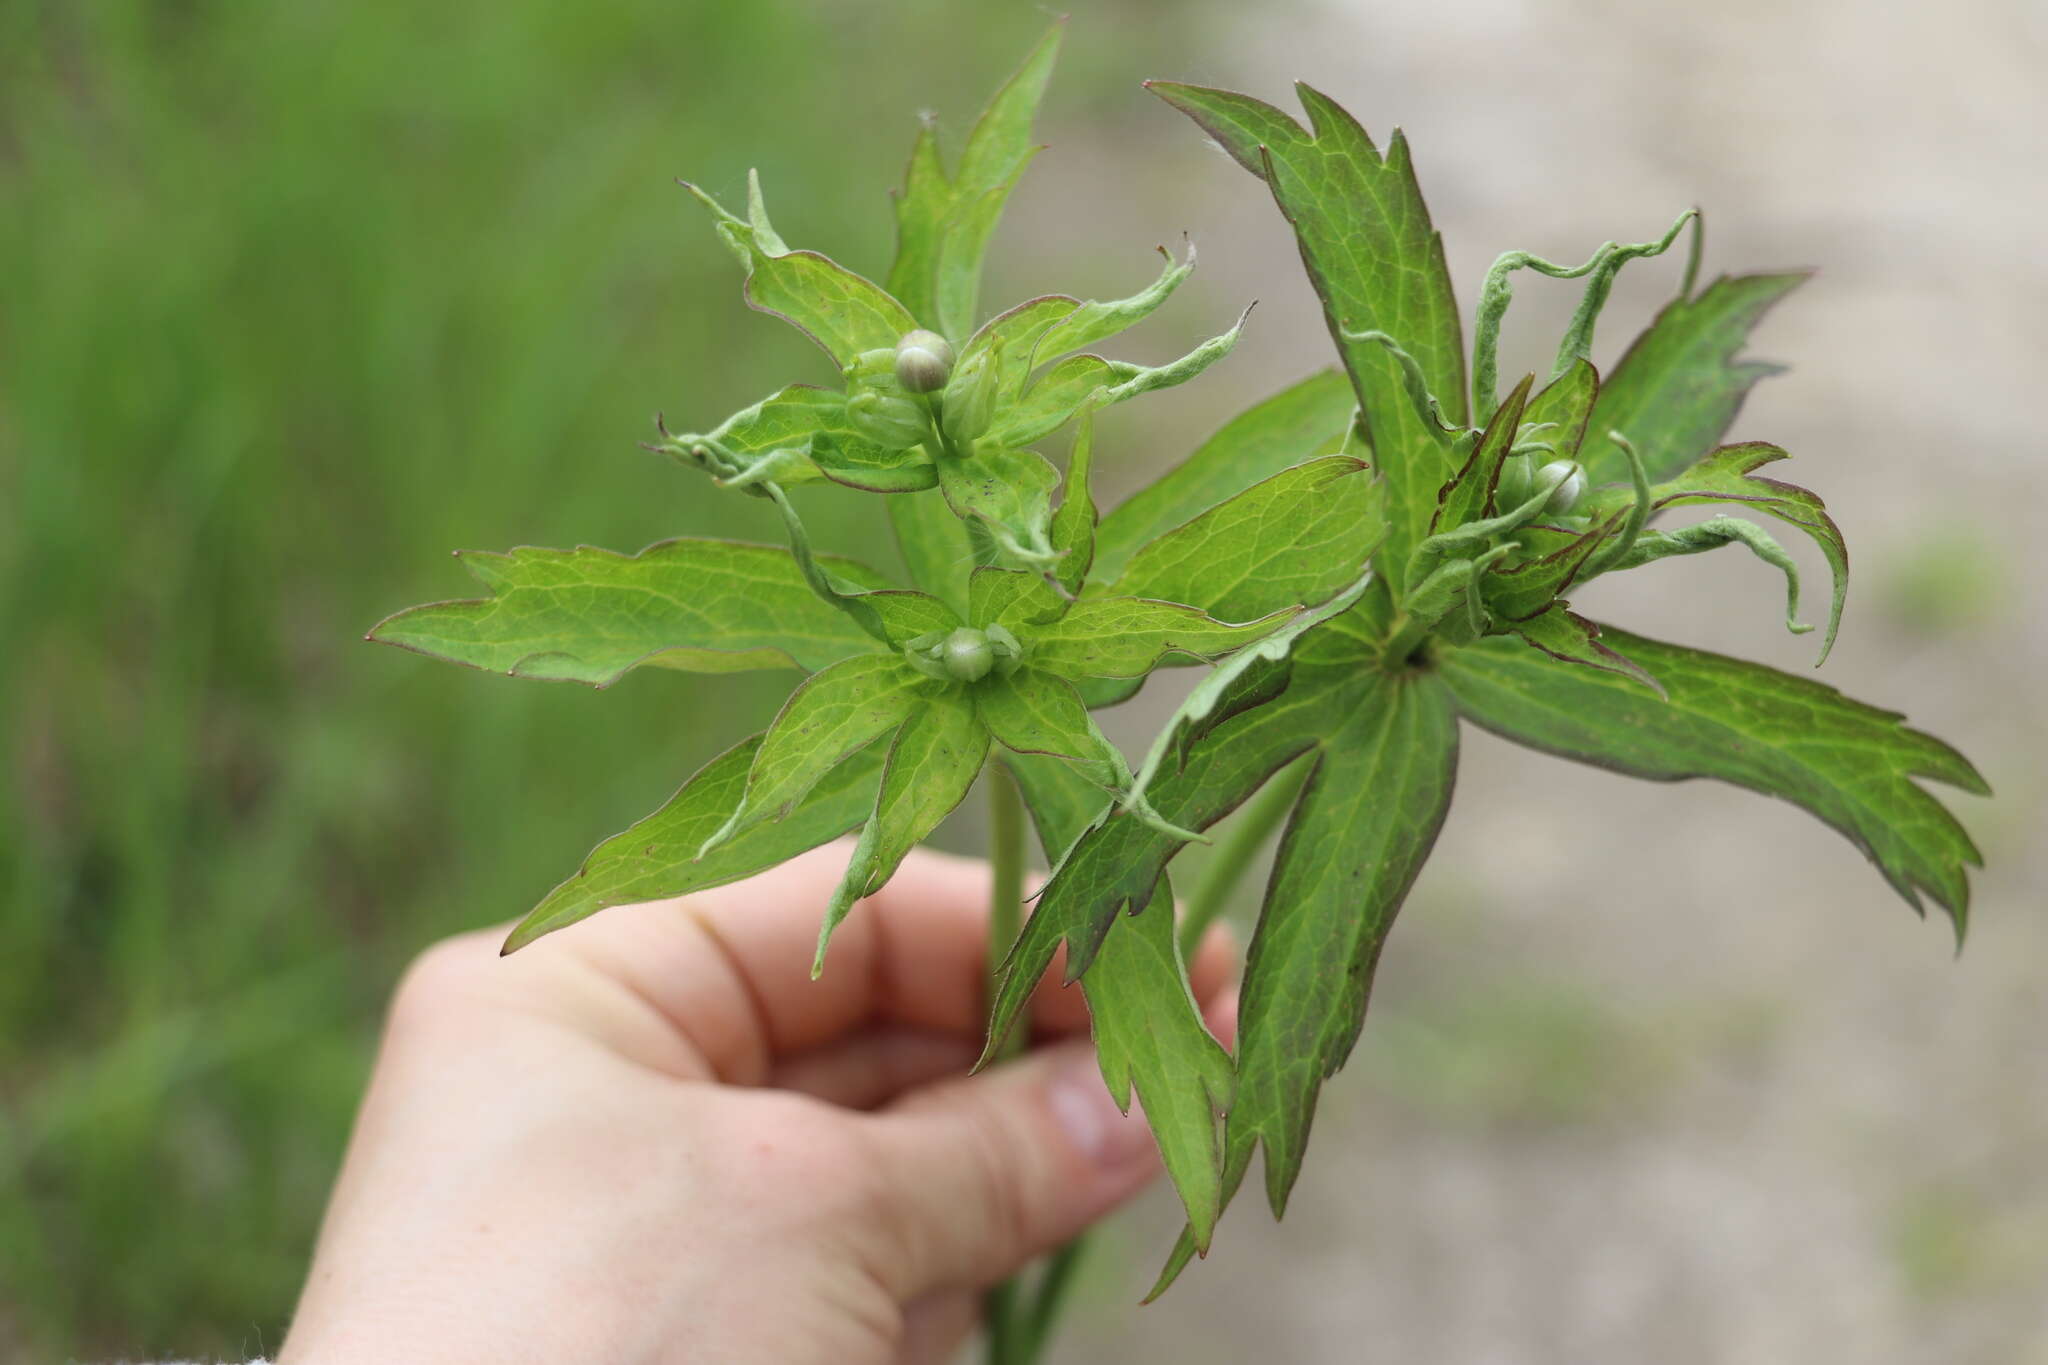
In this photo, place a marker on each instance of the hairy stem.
(1248, 834)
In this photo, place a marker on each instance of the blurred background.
(296, 297)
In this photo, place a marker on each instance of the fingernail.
(1082, 1107)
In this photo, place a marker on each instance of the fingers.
(862, 1071)
(730, 968)
(728, 971)
(935, 1327)
(975, 1177)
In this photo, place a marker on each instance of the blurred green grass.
(295, 298)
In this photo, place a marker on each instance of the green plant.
(1365, 559)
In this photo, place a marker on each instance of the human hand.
(653, 1138)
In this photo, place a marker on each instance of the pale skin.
(651, 1138)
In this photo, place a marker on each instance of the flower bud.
(923, 360)
(967, 655)
(1569, 490)
(969, 403)
(888, 419)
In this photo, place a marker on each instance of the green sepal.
(658, 856)
(844, 313)
(1556, 417)
(1852, 765)
(1297, 537)
(1678, 387)
(832, 714)
(937, 753)
(590, 616)
(1473, 537)
(1519, 591)
(1469, 495)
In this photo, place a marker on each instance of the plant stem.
(1248, 834)
(1009, 1332)
(1059, 1276)
(1006, 875)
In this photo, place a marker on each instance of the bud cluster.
(965, 654)
(1519, 482)
(878, 404)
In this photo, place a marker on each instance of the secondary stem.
(1248, 834)
(1006, 876)
(1009, 1330)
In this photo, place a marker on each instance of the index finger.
(730, 968)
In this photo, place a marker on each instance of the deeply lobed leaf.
(1852, 765)
(1378, 266)
(658, 856)
(933, 761)
(1302, 420)
(1127, 637)
(844, 313)
(943, 222)
(1037, 712)
(1365, 823)
(1728, 475)
(1149, 1037)
(1041, 330)
(1678, 387)
(834, 713)
(1085, 382)
(589, 615)
(1297, 537)
(1115, 866)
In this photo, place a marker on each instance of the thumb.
(979, 1175)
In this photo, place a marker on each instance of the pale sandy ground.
(1665, 1073)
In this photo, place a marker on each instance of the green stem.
(1060, 1275)
(1006, 874)
(1006, 1328)
(1409, 633)
(1248, 834)
(1009, 1331)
